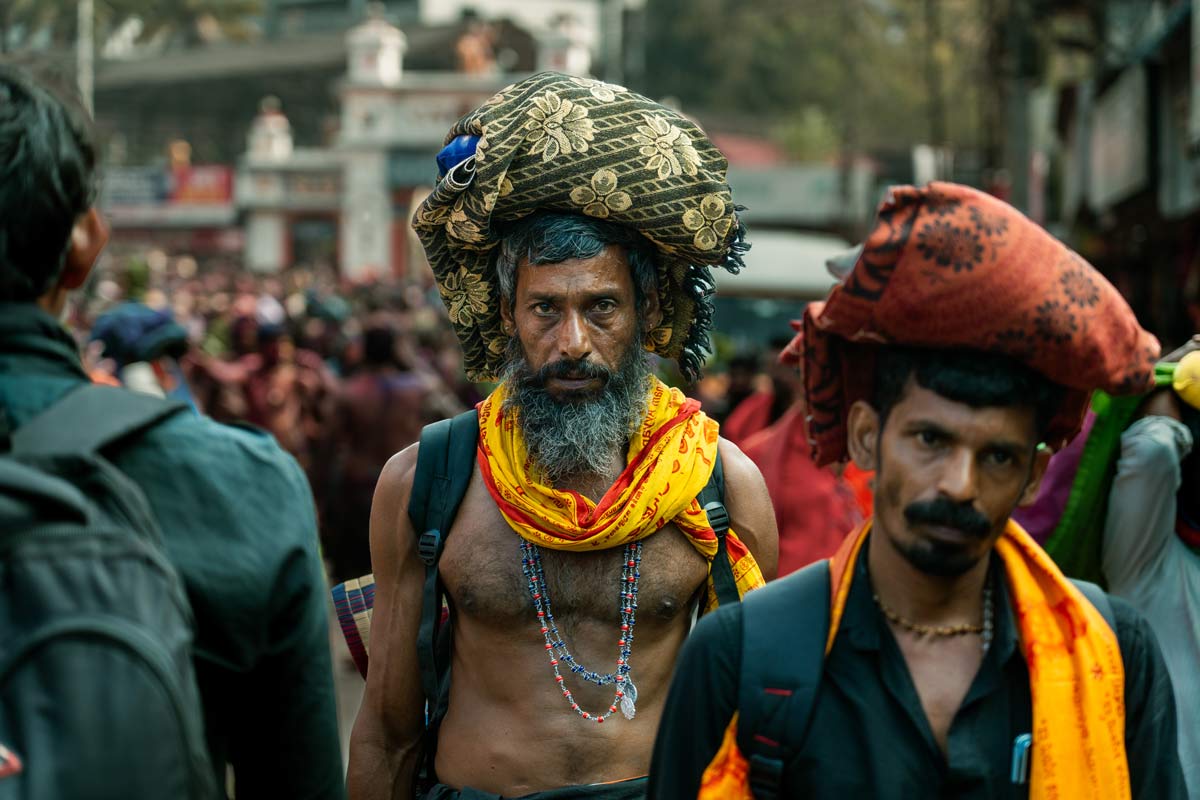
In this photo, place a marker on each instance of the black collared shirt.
(869, 737)
(238, 524)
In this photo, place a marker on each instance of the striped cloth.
(354, 601)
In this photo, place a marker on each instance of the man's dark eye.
(1000, 458)
(542, 308)
(604, 306)
(929, 438)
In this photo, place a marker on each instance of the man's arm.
(751, 514)
(699, 707)
(386, 743)
(285, 740)
(1151, 732)
(1141, 503)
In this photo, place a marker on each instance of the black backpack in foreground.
(98, 697)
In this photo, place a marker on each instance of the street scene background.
(261, 160)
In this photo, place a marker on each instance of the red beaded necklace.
(625, 695)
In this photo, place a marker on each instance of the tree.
(26, 24)
(859, 67)
(191, 22)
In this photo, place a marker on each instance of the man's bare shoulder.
(395, 481)
(739, 468)
(391, 532)
(750, 509)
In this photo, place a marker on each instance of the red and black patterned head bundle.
(947, 266)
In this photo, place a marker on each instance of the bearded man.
(940, 652)
(571, 231)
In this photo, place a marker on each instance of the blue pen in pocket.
(1020, 758)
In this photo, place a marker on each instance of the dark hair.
(747, 362)
(972, 377)
(379, 346)
(47, 180)
(551, 238)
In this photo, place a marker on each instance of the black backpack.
(445, 464)
(784, 628)
(98, 698)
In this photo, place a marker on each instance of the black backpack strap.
(784, 627)
(445, 464)
(1099, 598)
(90, 418)
(712, 500)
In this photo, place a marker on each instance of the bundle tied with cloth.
(569, 145)
(579, 146)
(949, 267)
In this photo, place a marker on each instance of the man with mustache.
(940, 652)
(571, 231)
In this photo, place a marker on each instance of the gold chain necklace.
(942, 630)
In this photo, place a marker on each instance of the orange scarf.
(669, 462)
(1076, 679)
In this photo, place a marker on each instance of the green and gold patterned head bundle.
(573, 145)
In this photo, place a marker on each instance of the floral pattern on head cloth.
(947, 266)
(573, 145)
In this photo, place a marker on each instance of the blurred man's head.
(275, 345)
(743, 370)
(50, 232)
(786, 383)
(579, 297)
(953, 436)
(379, 346)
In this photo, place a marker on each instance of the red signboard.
(208, 184)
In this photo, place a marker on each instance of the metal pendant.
(629, 701)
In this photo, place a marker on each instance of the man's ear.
(652, 314)
(506, 317)
(863, 429)
(1041, 460)
(88, 238)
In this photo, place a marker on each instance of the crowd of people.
(559, 539)
(342, 375)
(346, 374)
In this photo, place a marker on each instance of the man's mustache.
(572, 370)
(946, 513)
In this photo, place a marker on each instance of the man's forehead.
(610, 267)
(919, 405)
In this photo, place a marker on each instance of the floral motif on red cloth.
(949, 266)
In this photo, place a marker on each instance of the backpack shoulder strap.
(1099, 598)
(712, 500)
(90, 418)
(445, 464)
(784, 627)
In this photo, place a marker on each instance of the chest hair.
(482, 571)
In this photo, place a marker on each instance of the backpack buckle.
(766, 777)
(429, 547)
(718, 517)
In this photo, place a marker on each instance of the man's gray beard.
(586, 437)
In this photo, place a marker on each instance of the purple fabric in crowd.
(1042, 517)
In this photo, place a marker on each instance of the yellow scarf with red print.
(1076, 678)
(670, 460)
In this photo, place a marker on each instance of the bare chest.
(482, 570)
(942, 672)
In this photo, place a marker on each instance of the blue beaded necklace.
(625, 696)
